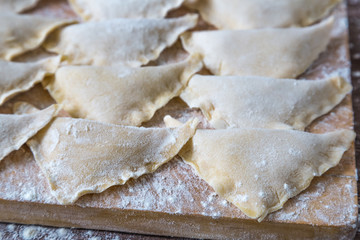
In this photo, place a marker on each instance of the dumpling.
(15, 130)
(132, 42)
(276, 53)
(82, 156)
(259, 180)
(120, 95)
(17, 5)
(21, 33)
(18, 77)
(95, 10)
(259, 102)
(250, 14)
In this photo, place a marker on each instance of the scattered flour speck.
(29, 232)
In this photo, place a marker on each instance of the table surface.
(17, 231)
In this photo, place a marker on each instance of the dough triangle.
(19, 77)
(95, 10)
(15, 130)
(82, 156)
(17, 5)
(259, 180)
(120, 95)
(250, 14)
(259, 102)
(21, 33)
(132, 42)
(276, 53)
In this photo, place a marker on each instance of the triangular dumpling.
(250, 14)
(17, 5)
(258, 170)
(81, 156)
(132, 42)
(95, 10)
(15, 130)
(259, 102)
(277, 53)
(21, 33)
(120, 95)
(19, 77)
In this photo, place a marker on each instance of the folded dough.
(95, 10)
(259, 180)
(17, 5)
(131, 42)
(21, 33)
(15, 130)
(259, 102)
(82, 156)
(120, 95)
(19, 77)
(276, 53)
(250, 14)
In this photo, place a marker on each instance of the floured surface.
(175, 188)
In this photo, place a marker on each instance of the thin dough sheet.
(19, 77)
(259, 102)
(131, 42)
(22, 33)
(272, 52)
(251, 14)
(261, 180)
(15, 130)
(95, 10)
(81, 156)
(120, 95)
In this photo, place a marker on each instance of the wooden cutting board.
(174, 201)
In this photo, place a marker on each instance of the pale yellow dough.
(120, 95)
(250, 14)
(18, 77)
(21, 33)
(17, 5)
(15, 130)
(131, 42)
(95, 10)
(259, 102)
(258, 170)
(81, 156)
(276, 53)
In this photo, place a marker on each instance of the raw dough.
(120, 95)
(18, 77)
(132, 42)
(21, 33)
(82, 156)
(276, 53)
(17, 5)
(259, 102)
(250, 14)
(15, 130)
(95, 10)
(259, 180)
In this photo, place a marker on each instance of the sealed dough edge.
(341, 88)
(88, 14)
(278, 58)
(45, 67)
(31, 128)
(167, 81)
(58, 187)
(325, 95)
(332, 146)
(42, 36)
